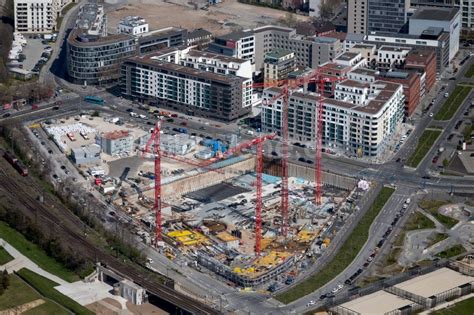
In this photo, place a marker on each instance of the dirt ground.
(220, 19)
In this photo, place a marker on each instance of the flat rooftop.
(210, 55)
(435, 282)
(347, 56)
(377, 303)
(364, 71)
(436, 14)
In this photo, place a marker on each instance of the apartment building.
(359, 119)
(367, 51)
(389, 57)
(186, 89)
(388, 16)
(36, 16)
(432, 39)
(132, 25)
(449, 19)
(116, 142)
(237, 44)
(310, 51)
(357, 12)
(278, 64)
(424, 62)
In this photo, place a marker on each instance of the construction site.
(210, 200)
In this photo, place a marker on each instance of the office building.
(92, 56)
(449, 19)
(278, 64)
(357, 12)
(359, 119)
(387, 16)
(186, 89)
(36, 16)
(466, 8)
(118, 142)
(132, 25)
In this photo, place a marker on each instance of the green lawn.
(453, 102)
(344, 256)
(48, 308)
(470, 72)
(46, 288)
(4, 256)
(432, 207)
(424, 145)
(18, 293)
(35, 253)
(451, 252)
(438, 237)
(418, 221)
(462, 308)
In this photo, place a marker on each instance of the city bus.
(93, 100)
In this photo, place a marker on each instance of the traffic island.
(426, 141)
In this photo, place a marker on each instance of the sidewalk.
(20, 261)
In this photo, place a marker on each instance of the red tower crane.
(155, 139)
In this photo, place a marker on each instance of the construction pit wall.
(138, 202)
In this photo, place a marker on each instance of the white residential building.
(360, 119)
(389, 56)
(36, 16)
(132, 25)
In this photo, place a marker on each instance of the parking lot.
(33, 52)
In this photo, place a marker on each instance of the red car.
(34, 106)
(435, 160)
(184, 123)
(174, 115)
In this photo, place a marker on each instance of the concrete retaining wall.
(206, 179)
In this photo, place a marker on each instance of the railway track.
(11, 183)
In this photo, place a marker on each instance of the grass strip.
(4, 256)
(432, 206)
(470, 73)
(424, 145)
(46, 288)
(35, 253)
(18, 293)
(451, 252)
(453, 102)
(461, 308)
(344, 256)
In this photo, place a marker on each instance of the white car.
(431, 114)
(337, 288)
(310, 303)
(446, 94)
(408, 201)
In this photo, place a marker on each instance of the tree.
(5, 279)
(445, 163)
(467, 133)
